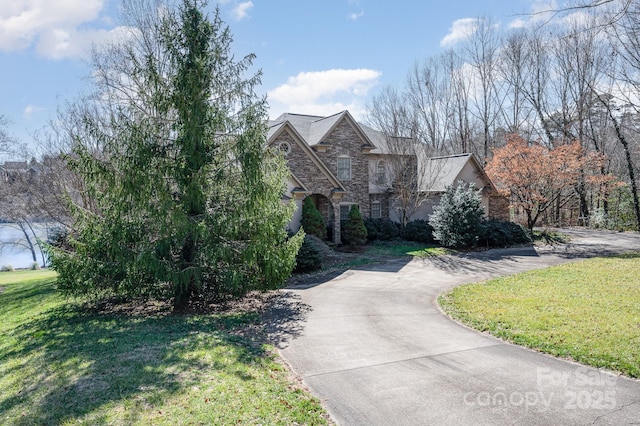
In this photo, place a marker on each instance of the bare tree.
(481, 52)
(517, 113)
(17, 207)
(461, 121)
(429, 96)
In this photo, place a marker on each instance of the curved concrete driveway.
(374, 346)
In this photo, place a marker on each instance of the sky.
(317, 57)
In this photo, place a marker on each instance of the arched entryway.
(323, 204)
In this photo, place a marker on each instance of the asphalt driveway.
(374, 346)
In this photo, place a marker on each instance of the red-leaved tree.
(537, 178)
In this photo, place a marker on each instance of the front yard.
(63, 364)
(587, 311)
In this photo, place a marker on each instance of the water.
(12, 245)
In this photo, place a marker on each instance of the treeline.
(553, 81)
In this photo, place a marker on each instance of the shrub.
(457, 220)
(309, 257)
(58, 237)
(35, 266)
(312, 221)
(499, 233)
(353, 230)
(418, 230)
(381, 229)
(6, 268)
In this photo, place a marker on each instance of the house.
(339, 162)
(11, 171)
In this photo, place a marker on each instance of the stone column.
(337, 238)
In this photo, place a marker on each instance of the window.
(381, 175)
(376, 211)
(344, 168)
(344, 212)
(284, 148)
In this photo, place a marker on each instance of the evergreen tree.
(457, 220)
(187, 200)
(312, 220)
(353, 230)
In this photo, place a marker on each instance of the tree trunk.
(627, 154)
(25, 231)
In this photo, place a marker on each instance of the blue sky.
(317, 57)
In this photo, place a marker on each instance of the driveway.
(373, 345)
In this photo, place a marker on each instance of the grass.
(547, 236)
(406, 248)
(588, 311)
(62, 364)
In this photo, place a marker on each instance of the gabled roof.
(445, 171)
(286, 126)
(299, 185)
(314, 129)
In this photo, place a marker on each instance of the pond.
(14, 249)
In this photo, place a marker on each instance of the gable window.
(344, 168)
(381, 173)
(376, 210)
(284, 148)
(344, 212)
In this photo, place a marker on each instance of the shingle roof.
(313, 127)
(444, 171)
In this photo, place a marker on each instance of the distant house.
(339, 162)
(11, 171)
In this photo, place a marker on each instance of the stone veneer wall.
(499, 207)
(344, 140)
(304, 168)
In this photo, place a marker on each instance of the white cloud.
(461, 29)
(543, 12)
(241, 11)
(72, 43)
(57, 28)
(29, 110)
(324, 92)
(355, 16)
(518, 23)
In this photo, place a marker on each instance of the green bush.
(457, 220)
(381, 229)
(309, 257)
(312, 221)
(35, 266)
(418, 230)
(353, 231)
(6, 268)
(498, 233)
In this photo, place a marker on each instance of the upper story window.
(344, 168)
(381, 174)
(284, 148)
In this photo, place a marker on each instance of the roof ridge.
(466, 154)
(320, 118)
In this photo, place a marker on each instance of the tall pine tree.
(187, 198)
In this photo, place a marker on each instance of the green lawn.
(405, 248)
(60, 364)
(588, 311)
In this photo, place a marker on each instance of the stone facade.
(316, 168)
(499, 207)
(343, 141)
(313, 146)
